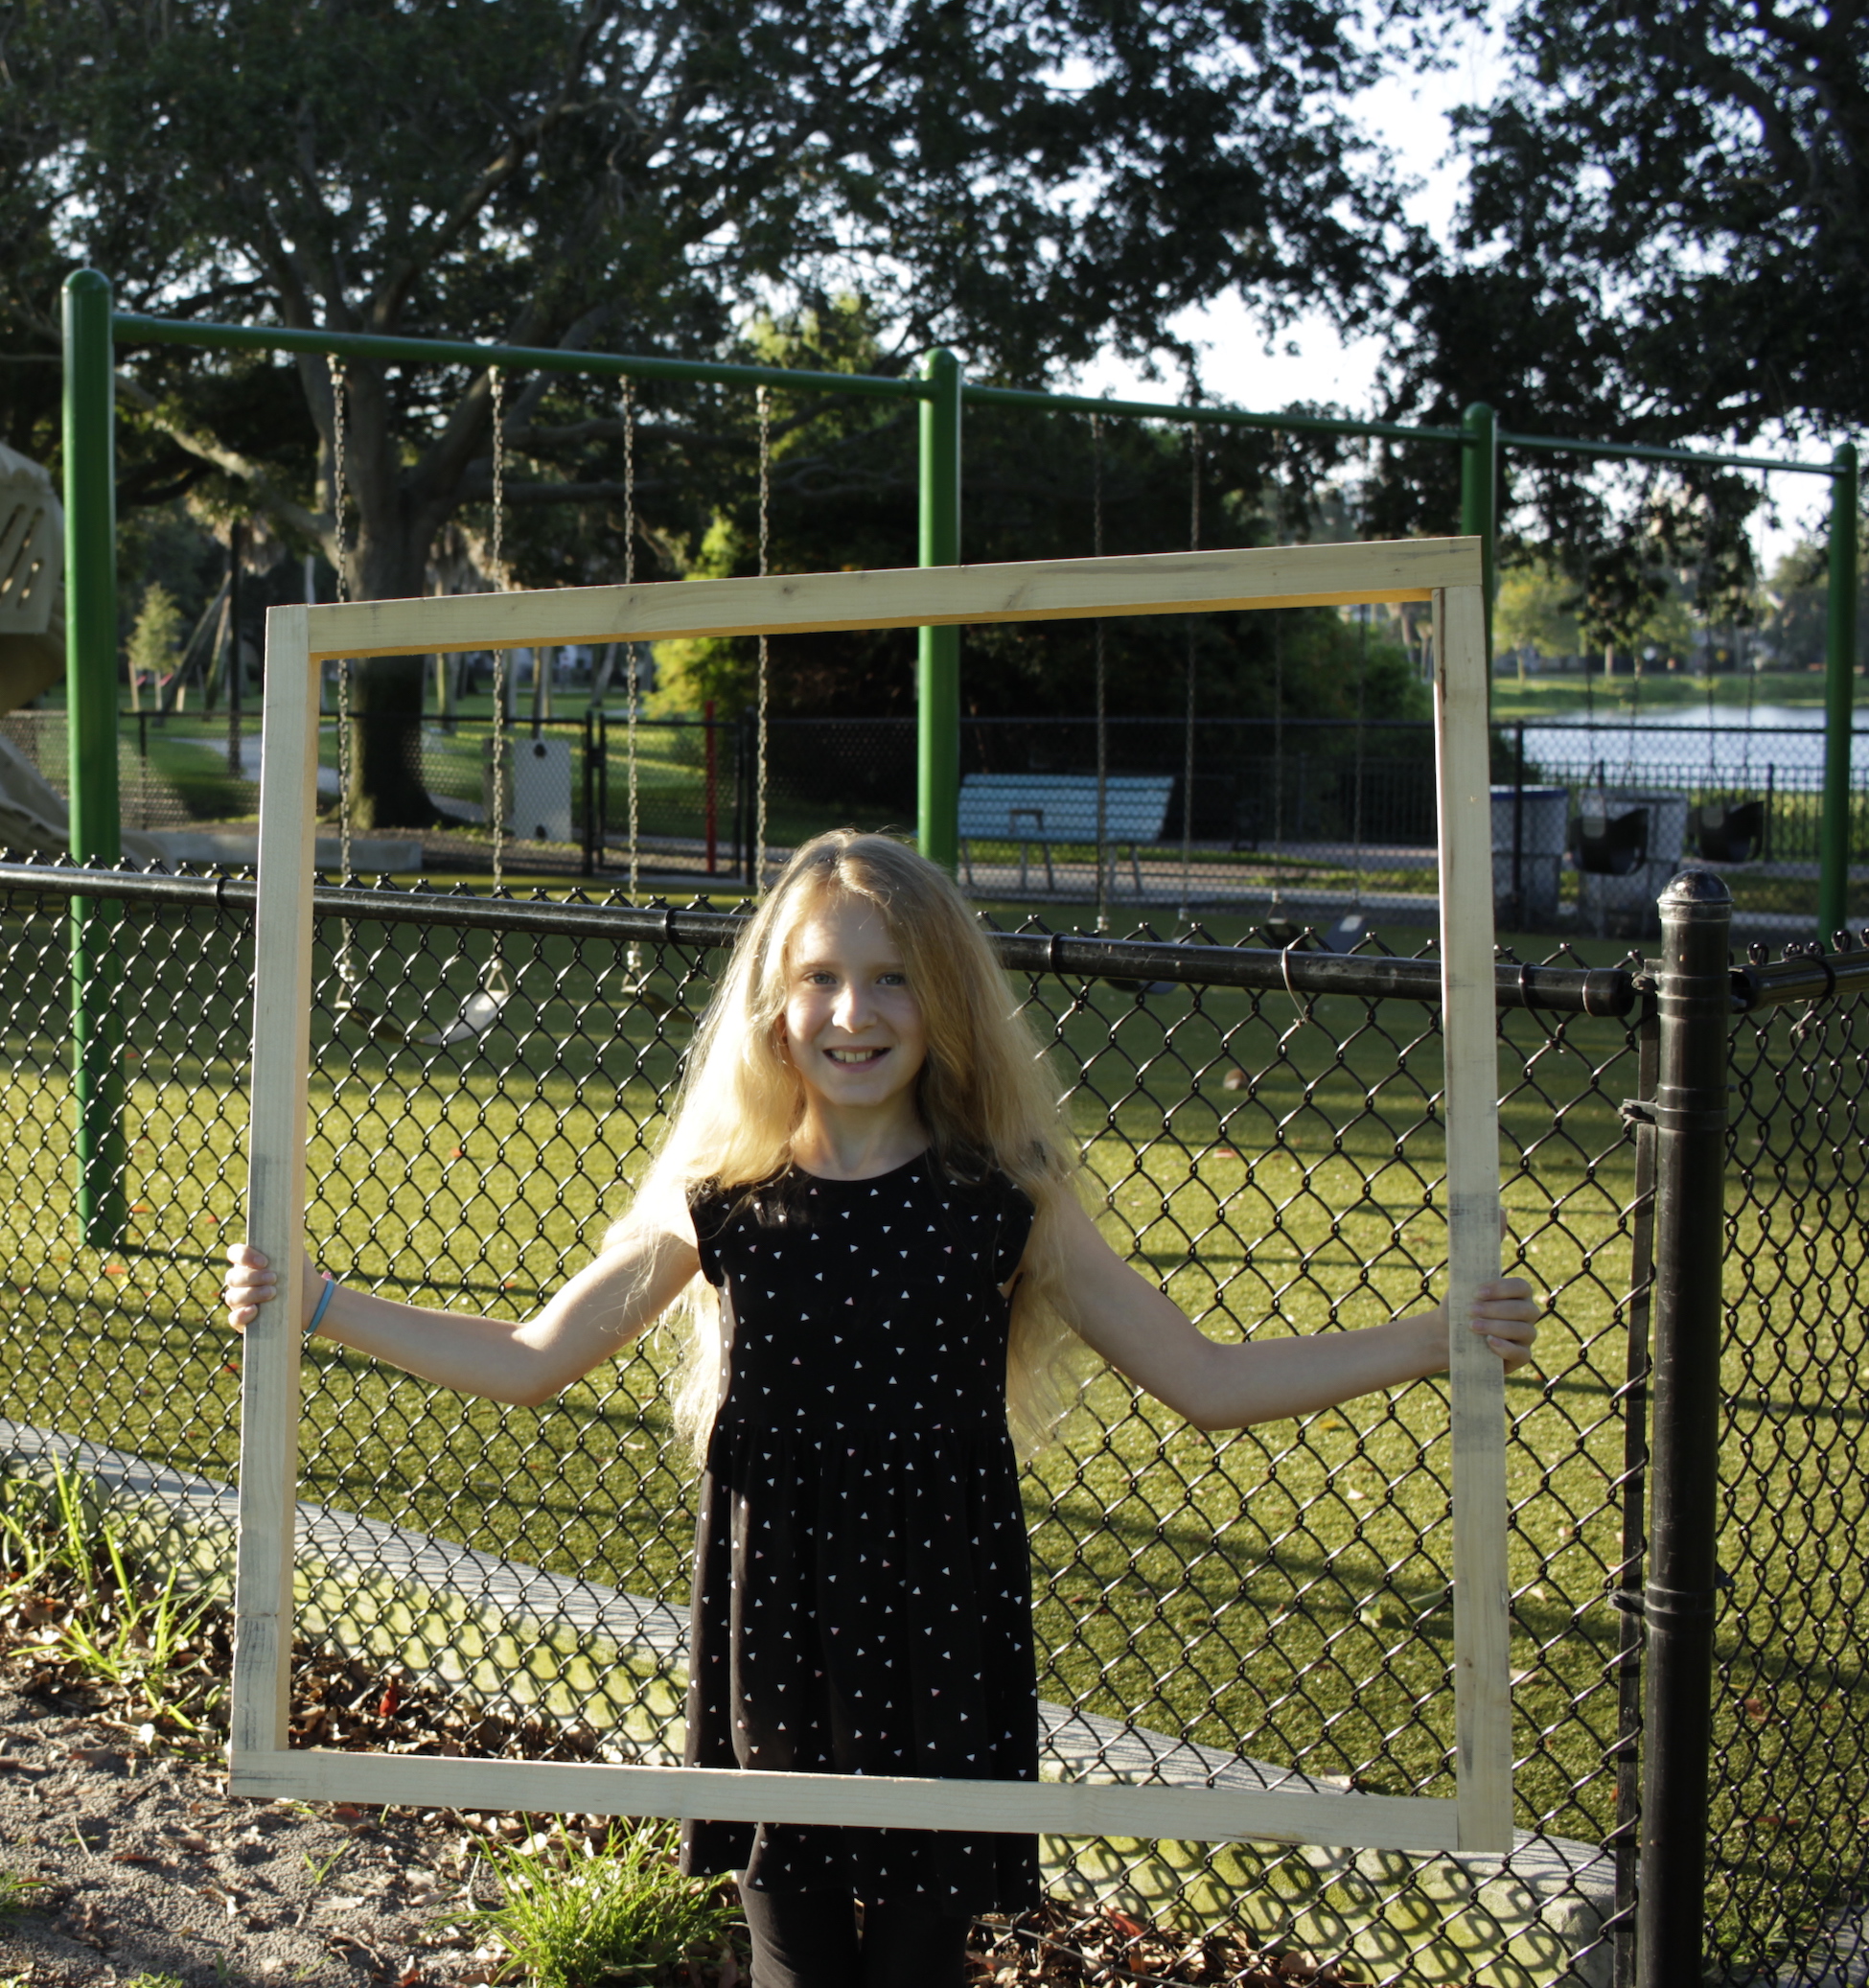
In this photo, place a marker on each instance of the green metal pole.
(937, 668)
(1479, 497)
(91, 725)
(1839, 693)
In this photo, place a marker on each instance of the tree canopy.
(1664, 237)
(1667, 228)
(1029, 180)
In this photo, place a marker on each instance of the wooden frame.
(1446, 572)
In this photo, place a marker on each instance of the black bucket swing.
(637, 991)
(1610, 838)
(1729, 830)
(478, 1012)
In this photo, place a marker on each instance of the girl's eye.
(893, 980)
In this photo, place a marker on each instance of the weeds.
(124, 1630)
(573, 1917)
(321, 1870)
(15, 1898)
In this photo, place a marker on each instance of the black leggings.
(808, 1939)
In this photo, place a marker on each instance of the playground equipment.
(31, 581)
(34, 819)
(1732, 829)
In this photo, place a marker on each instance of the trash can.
(1542, 816)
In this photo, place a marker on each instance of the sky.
(1311, 363)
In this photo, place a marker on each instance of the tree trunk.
(387, 786)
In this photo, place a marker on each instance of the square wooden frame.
(1446, 572)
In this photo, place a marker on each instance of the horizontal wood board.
(1052, 590)
(728, 1794)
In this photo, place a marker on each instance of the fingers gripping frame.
(299, 638)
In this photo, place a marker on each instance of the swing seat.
(1607, 845)
(476, 1015)
(1730, 831)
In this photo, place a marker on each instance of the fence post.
(1479, 503)
(1690, 1113)
(1839, 691)
(91, 723)
(1625, 1752)
(938, 665)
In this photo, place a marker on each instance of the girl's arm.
(1148, 1338)
(598, 1313)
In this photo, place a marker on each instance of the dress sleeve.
(1013, 1232)
(708, 1209)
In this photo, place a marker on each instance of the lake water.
(1728, 744)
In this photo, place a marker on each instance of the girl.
(867, 1194)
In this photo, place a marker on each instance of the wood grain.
(1482, 1618)
(1068, 1808)
(275, 1192)
(1055, 589)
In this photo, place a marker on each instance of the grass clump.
(15, 1898)
(577, 1915)
(126, 1628)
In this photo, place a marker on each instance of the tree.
(1665, 239)
(1666, 234)
(156, 643)
(1031, 485)
(1028, 179)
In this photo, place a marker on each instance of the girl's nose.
(851, 1008)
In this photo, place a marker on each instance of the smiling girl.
(866, 1199)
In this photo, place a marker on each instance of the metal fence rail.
(1261, 1134)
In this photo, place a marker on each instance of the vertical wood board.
(275, 1193)
(1470, 1027)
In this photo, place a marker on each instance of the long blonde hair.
(984, 1094)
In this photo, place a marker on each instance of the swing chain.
(1187, 914)
(498, 788)
(628, 580)
(765, 406)
(339, 505)
(1103, 685)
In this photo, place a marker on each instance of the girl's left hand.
(1506, 1316)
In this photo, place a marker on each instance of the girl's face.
(851, 1026)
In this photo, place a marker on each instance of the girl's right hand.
(251, 1283)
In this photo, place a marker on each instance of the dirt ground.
(141, 1865)
(138, 1868)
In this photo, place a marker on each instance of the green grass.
(1230, 1588)
(1547, 697)
(574, 1916)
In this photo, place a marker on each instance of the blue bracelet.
(324, 1299)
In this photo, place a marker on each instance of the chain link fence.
(1261, 1136)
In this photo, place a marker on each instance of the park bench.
(1041, 809)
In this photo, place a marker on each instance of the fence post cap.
(1696, 890)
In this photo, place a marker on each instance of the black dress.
(861, 1595)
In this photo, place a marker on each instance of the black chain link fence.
(1304, 820)
(1262, 1135)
